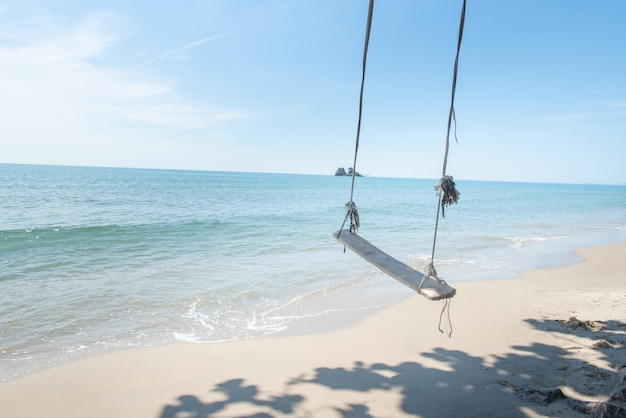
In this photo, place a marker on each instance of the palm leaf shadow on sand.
(235, 392)
(510, 385)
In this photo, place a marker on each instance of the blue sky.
(272, 86)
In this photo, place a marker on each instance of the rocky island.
(342, 172)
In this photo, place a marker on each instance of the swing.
(428, 284)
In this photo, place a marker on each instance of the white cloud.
(58, 93)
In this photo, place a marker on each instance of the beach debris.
(597, 409)
(609, 410)
(574, 323)
(602, 344)
(615, 405)
(619, 392)
(541, 396)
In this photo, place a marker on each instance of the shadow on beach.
(525, 382)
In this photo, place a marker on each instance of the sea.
(100, 259)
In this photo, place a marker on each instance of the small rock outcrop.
(541, 396)
(342, 172)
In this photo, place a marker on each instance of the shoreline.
(510, 338)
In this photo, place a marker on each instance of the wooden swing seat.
(431, 288)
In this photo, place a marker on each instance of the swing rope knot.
(353, 213)
(448, 194)
(430, 271)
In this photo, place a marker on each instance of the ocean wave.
(314, 293)
(199, 317)
(119, 229)
(517, 241)
(610, 228)
(488, 263)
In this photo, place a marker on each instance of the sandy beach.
(550, 343)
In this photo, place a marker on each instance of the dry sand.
(511, 345)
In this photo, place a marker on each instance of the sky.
(273, 86)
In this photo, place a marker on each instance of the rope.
(451, 114)
(445, 310)
(352, 211)
(446, 190)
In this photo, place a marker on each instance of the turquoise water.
(95, 259)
